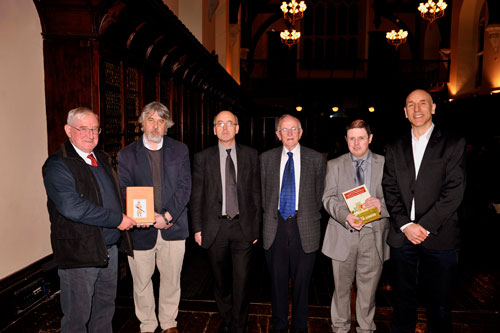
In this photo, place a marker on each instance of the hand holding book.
(372, 202)
(355, 222)
(362, 205)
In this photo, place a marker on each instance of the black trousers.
(416, 268)
(230, 257)
(286, 259)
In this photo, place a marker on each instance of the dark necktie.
(287, 195)
(231, 190)
(360, 177)
(93, 161)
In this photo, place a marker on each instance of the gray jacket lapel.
(376, 174)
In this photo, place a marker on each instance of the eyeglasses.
(291, 130)
(228, 123)
(86, 130)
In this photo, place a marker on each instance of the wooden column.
(70, 51)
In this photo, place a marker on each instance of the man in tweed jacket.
(291, 242)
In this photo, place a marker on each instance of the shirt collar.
(426, 135)
(293, 151)
(223, 149)
(148, 146)
(81, 153)
(365, 158)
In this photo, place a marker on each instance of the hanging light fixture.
(396, 38)
(293, 11)
(431, 10)
(290, 37)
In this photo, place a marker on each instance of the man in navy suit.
(424, 182)
(163, 163)
(292, 178)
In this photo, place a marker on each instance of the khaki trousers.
(168, 257)
(364, 266)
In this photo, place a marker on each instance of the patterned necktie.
(93, 161)
(287, 195)
(231, 190)
(360, 177)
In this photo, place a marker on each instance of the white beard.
(154, 138)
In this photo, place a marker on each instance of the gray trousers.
(88, 296)
(364, 266)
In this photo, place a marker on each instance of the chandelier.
(290, 37)
(397, 38)
(431, 10)
(293, 11)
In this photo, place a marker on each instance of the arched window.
(331, 34)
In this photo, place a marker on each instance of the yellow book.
(355, 199)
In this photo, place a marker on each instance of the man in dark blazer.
(226, 215)
(357, 251)
(292, 178)
(424, 182)
(163, 163)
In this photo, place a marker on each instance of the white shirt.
(296, 165)
(84, 155)
(418, 146)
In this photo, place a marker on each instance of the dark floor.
(476, 304)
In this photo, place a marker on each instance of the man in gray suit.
(292, 180)
(357, 251)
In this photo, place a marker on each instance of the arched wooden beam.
(111, 17)
(155, 42)
(171, 55)
(132, 35)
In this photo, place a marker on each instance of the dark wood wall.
(117, 56)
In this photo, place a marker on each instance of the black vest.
(76, 244)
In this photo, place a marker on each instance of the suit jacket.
(134, 169)
(340, 178)
(206, 199)
(312, 175)
(438, 188)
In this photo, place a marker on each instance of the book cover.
(355, 199)
(140, 204)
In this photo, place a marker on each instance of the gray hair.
(79, 113)
(160, 109)
(283, 117)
